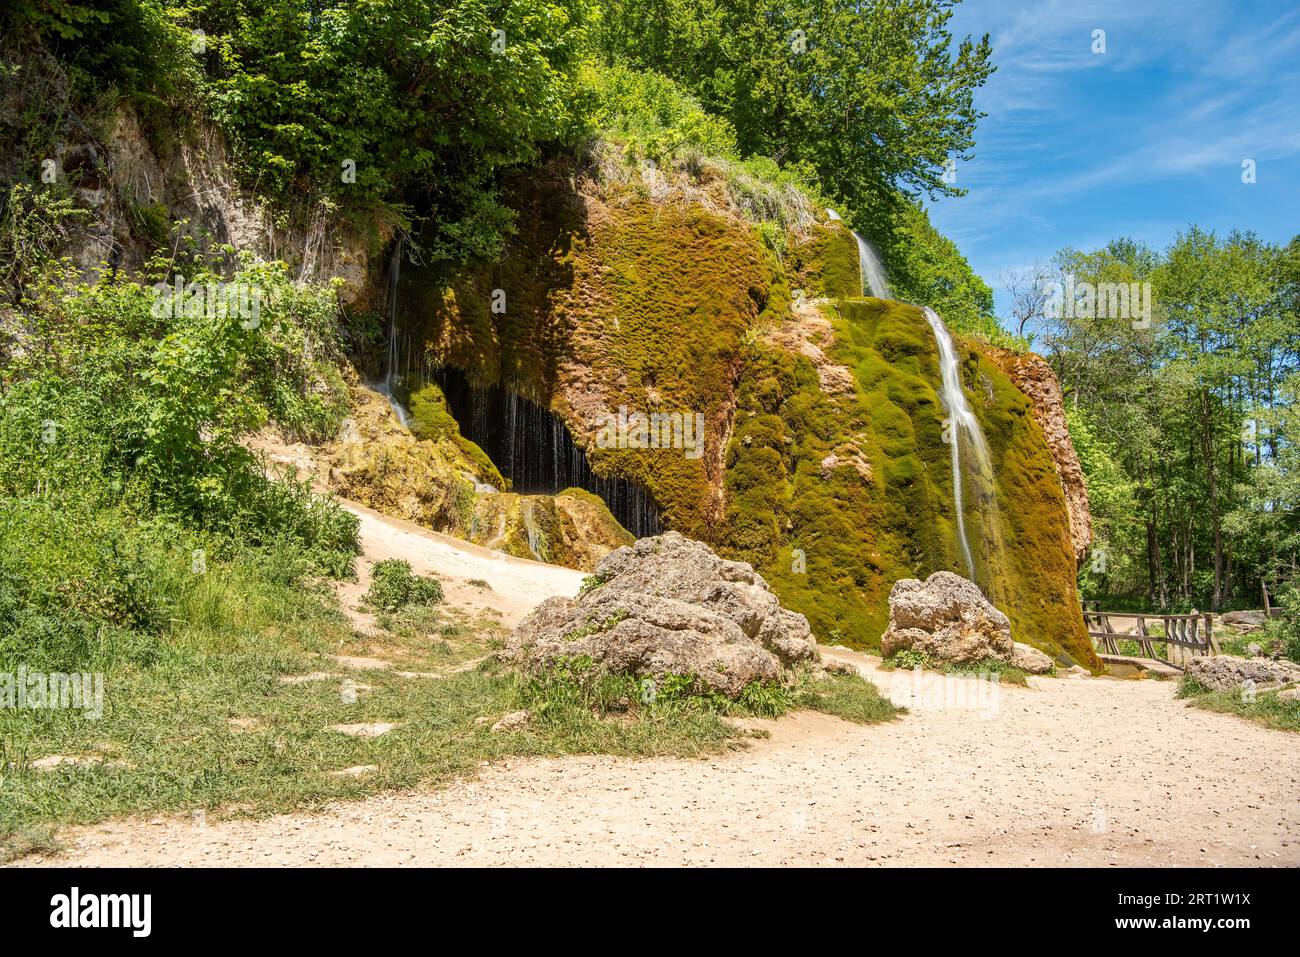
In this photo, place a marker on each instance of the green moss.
(430, 418)
(854, 535)
(826, 263)
(1031, 564)
(652, 301)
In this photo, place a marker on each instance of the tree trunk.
(1211, 477)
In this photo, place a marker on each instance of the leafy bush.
(141, 407)
(910, 658)
(1285, 631)
(654, 116)
(393, 586)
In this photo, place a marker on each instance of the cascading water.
(873, 270)
(961, 421)
(533, 449)
(874, 280)
(387, 386)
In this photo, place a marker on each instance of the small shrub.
(393, 586)
(910, 658)
(1189, 687)
(591, 583)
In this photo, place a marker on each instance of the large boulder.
(948, 618)
(670, 605)
(1225, 672)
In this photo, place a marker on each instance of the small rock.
(372, 730)
(1030, 659)
(54, 760)
(514, 721)
(356, 771)
(1224, 672)
(310, 676)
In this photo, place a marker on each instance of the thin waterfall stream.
(388, 385)
(961, 420)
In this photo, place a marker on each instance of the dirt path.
(514, 585)
(1069, 772)
(1082, 771)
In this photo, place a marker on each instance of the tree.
(870, 93)
(1030, 289)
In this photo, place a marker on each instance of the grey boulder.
(670, 605)
(1224, 672)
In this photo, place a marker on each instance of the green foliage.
(411, 92)
(34, 225)
(393, 587)
(133, 47)
(875, 98)
(112, 390)
(1117, 542)
(910, 658)
(1187, 426)
(590, 583)
(1284, 632)
(1189, 687)
(654, 116)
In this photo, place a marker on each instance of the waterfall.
(387, 387)
(870, 265)
(961, 421)
(533, 448)
(873, 270)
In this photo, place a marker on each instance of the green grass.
(1267, 709)
(1007, 674)
(850, 697)
(207, 723)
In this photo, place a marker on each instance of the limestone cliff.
(823, 461)
(1034, 377)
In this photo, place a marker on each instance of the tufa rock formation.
(949, 620)
(823, 464)
(670, 605)
(1225, 672)
(1032, 375)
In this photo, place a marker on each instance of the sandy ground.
(516, 585)
(1071, 771)
(1086, 771)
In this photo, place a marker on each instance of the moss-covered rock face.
(824, 461)
(432, 475)
(837, 494)
(608, 299)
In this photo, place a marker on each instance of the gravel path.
(1073, 771)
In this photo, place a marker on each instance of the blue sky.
(1079, 148)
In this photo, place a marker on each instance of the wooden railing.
(1195, 633)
